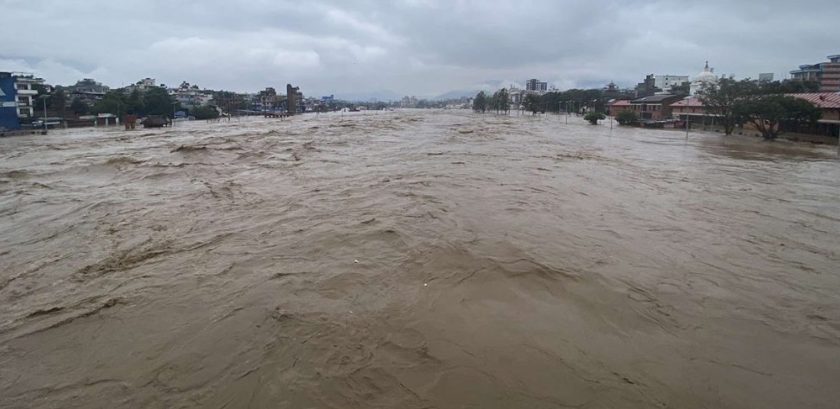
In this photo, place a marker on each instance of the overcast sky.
(421, 47)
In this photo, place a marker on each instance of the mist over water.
(417, 259)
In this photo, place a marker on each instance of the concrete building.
(294, 100)
(827, 74)
(704, 78)
(268, 99)
(26, 94)
(666, 82)
(647, 87)
(534, 84)
(8, 103)
(142, 85)
(86, 90)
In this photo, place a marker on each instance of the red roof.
(622, 103)
(822, 99)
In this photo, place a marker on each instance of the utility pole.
(45, 113)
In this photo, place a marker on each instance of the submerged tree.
(533, 103)
(626, 118)
(594, 117)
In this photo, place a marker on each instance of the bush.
(626, 118)
(594, 117)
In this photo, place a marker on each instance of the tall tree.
(770, 113)
(533, 103)
(79, 107)
(503, 100)
(480, 102)
(720, 99)
(156, 101)
(134, 103)
(113, 102)
(58, 102)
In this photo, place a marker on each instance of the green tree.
(533, 103)
(480, 102)
(720, 99)
(113, 102)
(204, 112)
(78, 107)
(770, 113)
(626, 118)
(156, 101)
(789, 87)
(58, 102)
(594, 117)
(503, 101)
(134, 103)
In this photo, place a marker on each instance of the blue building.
(8, 102)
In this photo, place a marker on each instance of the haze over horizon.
(420, 47)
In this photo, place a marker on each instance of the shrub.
(594, 117)
(626, 118)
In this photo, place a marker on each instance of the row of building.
(20, 105)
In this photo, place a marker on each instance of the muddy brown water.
(417, 260)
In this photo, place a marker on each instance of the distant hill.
(489, 86)
(366, 96)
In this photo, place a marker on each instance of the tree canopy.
(626, 118)
(768, 113)
(480, 102)
(594, 117)
(533, 103)
(762, 104)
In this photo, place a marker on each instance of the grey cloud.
(422, 47)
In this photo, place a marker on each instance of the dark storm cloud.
(422, 47)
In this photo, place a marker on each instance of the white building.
(704, 78)
(666, 82)
(26, 94)
(142, 85)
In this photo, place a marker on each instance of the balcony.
(27, 92)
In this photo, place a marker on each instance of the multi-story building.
(190, 95)
(827, 74)
(534, 84)
(647, 87)
(666, 82)
(18, 98)
(26, 93)
(142, 85)
(88, 91)
(8, 103)
(655, 108)
(294, 100)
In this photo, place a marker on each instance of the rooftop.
(654, 99)
(688, 102)
(823, 100)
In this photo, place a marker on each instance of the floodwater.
(417, 260)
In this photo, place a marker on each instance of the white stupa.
(701, 80)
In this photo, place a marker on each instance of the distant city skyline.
(412, 47)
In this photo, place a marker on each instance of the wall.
(8, 106)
